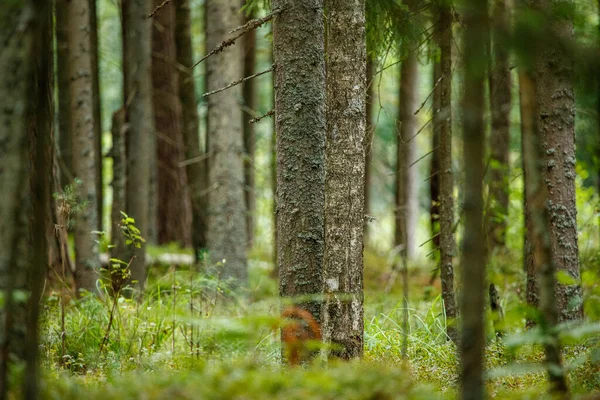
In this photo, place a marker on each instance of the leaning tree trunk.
(174, 208)
(556, 111)
(298, 41)
(406, 179)
(84, 144)
(472, 341)
(446, 177)
(500, 104)
(249, 95)
(227, 234)
(140, 118)
(190, 125)
(25, 169)
(342, 317)
(539, 206)
(97, 110)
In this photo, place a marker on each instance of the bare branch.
(235, 83)
(157, 9)
(258, 119)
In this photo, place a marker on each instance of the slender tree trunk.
(249, 93)
(140, 118)
(298, 40)
(84, 144)
(446, 177)
(342, 317)
(406, 179)
(174, 207)
(195, 167)
(434, 172)
(370, 134)
(537, 197)
(97, 110)
(227, 236)
(500, 105)
(472, 341)
(556, 110)
(63, 82)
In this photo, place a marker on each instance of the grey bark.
(446, 177)
(87, 262)
(97, 110)
(227, 209)
(140, 119)
(434, 171)
(556, 113)
(500, 105)
(342, 318)
(298, 40)
(249, 95)
(62, 83)
(472, 341)
(406, 179)
(534, 153)
(370, 134)
(197, 172)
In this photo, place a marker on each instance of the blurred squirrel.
(300, 328)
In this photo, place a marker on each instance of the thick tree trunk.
(249, 93)
(63, 77)
(446, 177)
(406, 179)
(298, 40)
(434, 171)
(370, 134)
(97, 110)
(84, 144)
(140, 118)
(174, 208)
(556, 111)
(500, 104)
(342, 317)
(195, 166)
(537, 198)
(472, 341)
(227, 233)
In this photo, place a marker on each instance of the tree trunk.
(370, 134)
(434, 171)
(63, 77)
(140, 118)
(195, 167)
(174, 208)
(342, 317)
(446, 176)
(406, 179)
(298, 41)
(249, 93)
(537, 198)
(227, 233)
(556, 110)
(97, 111)
(84, 144)
(472, 340)
(500, 105)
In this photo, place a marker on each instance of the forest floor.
(189, 338)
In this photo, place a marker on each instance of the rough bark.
(434, 171)
(298, 40)
(140, 135)
(370, 134)
(227, 209)
(446, 177)
(84, 144)
(500, 104)
(342, 319)
(249, 95)
(406, 179)
(62, 83)
(534, 153)
(472, 341)
(190, 124)
(174, 207)
(97, 111)
(556, 114)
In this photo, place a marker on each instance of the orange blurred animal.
(300, 328)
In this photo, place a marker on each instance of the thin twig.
(258, 119)
(157, 9)
(235, 83)
(194, 160)
(250, 25)
(429, 95)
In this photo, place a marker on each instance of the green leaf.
(564, 278)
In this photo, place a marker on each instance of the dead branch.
(157, 9)
(258, 119)
(235, 83)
